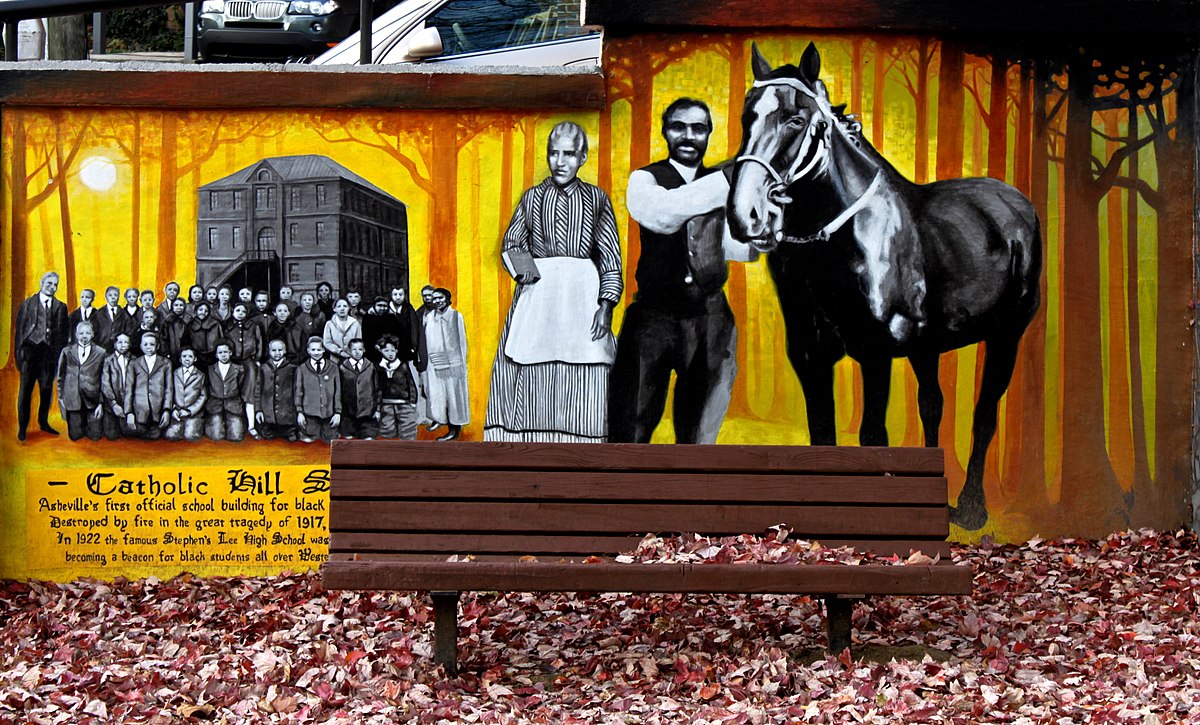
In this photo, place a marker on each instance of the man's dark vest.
(668, 272)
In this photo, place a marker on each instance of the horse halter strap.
(847, 214)
(793, 173)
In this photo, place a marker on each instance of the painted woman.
(550, 376)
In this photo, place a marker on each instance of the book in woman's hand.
(520, 265)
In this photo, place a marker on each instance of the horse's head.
(786, 127)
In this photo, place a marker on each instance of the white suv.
(477, 32)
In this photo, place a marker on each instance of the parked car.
(278, 30)
(477, 32)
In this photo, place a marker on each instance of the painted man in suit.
(148, 319)
(84, 313)
(283, 328)
(40, 337)
(108, 321)
(150, 395)
(80, 368)
(426, 300)
(146, 300)
(170, 294)
(680, 320)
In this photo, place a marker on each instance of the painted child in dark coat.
(80, 366)
(318, 395)
(114, 380)
(226, 409)
(276, 399)
(397, 391)
(191, 393)
(149, 396)
(360, 394)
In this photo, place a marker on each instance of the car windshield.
(467, 26)
(470, 26)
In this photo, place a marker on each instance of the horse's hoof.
(971, 518)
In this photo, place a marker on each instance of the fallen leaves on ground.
(776, 548)
(1064, 631)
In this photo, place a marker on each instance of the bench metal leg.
(445, 630)
(838, 615)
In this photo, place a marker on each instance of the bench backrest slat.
(496, 484)
(398, 498)
(557, 517)
(636, 457)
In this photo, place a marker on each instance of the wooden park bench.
(399, 510)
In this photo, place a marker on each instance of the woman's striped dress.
(557, 401)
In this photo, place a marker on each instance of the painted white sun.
(98, 173)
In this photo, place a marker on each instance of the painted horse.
(869, 264)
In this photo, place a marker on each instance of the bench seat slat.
(376, 545)
(636, 457)
(656, 578)
(670, 486)
(804, 521)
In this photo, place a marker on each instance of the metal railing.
(250, 255)
(14, 11)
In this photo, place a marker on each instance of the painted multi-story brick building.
(300, 220)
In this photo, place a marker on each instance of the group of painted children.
(219, 369)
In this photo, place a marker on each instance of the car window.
(471, 26)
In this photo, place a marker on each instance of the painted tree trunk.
(64, 212)
(504, 281)
(168, 175)
(950, 111)
(1089, 487)
(921, 167)
(135, 207)
(948, 165)
(1031, 466)
(1120, 435)
(443, 242)
(997, 118)
(1137, 403)
(18, 221)
(1172, 414)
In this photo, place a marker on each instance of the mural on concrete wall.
(726, 253)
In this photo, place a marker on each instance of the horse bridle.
(794, 173)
